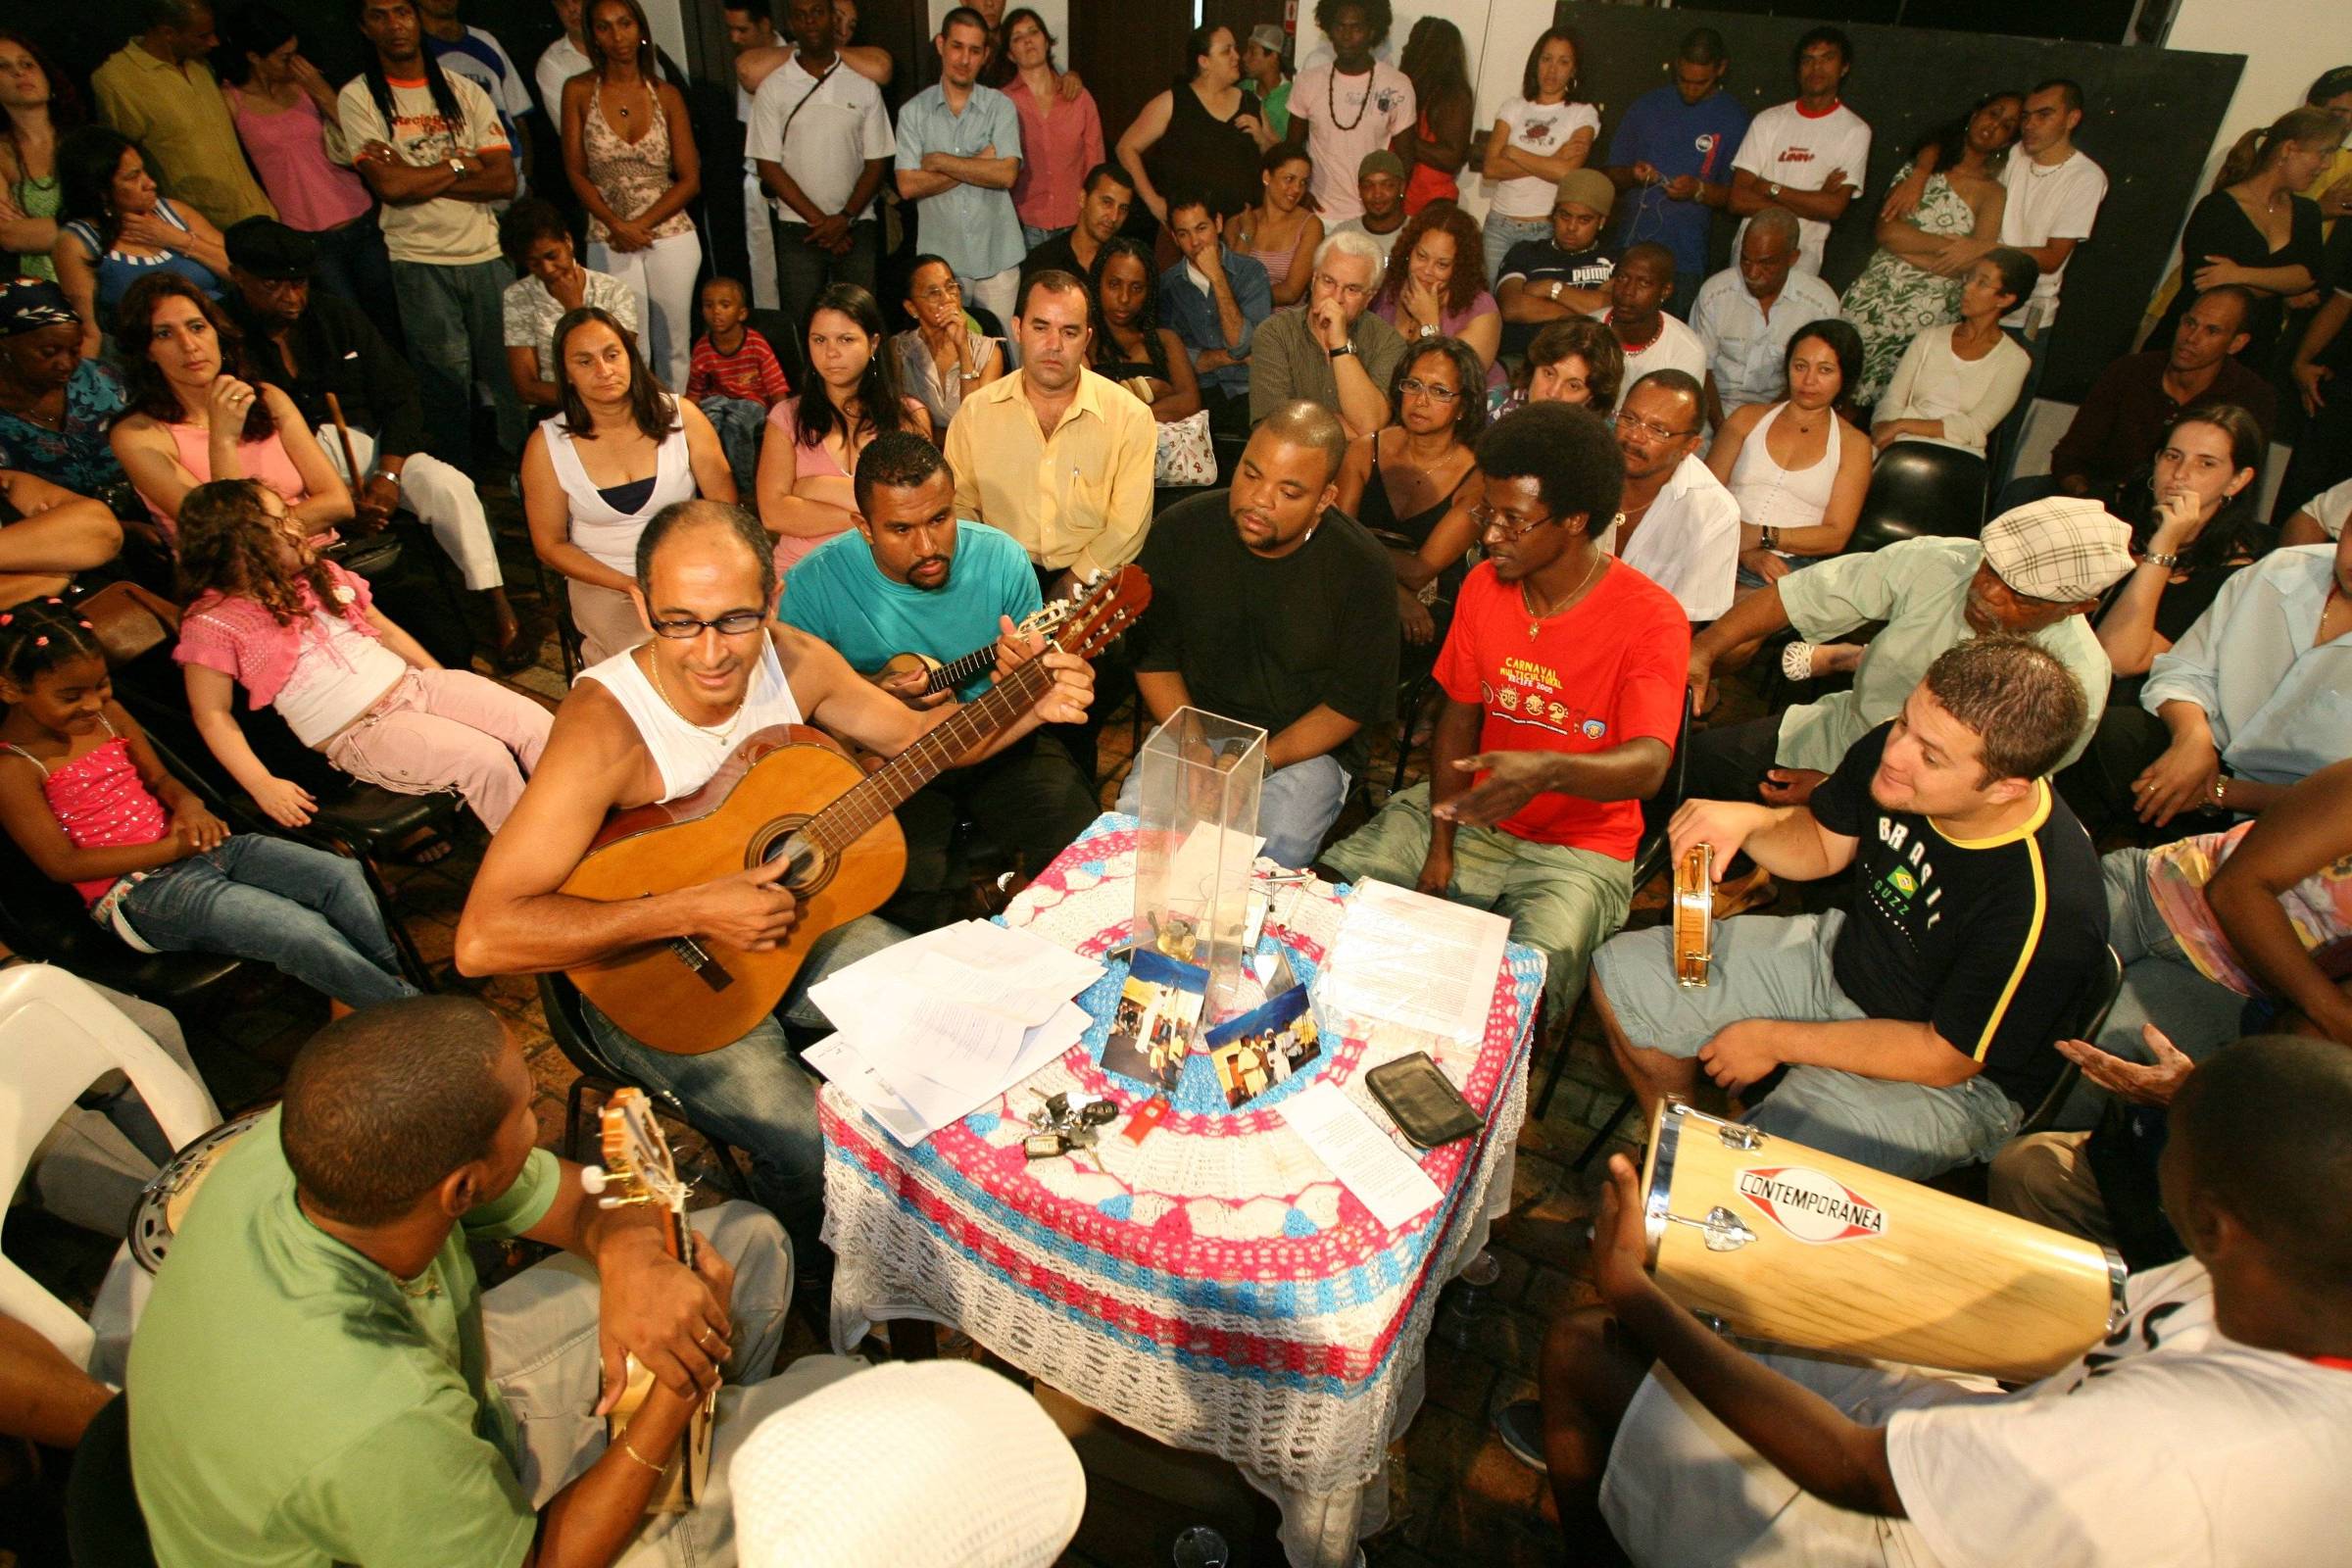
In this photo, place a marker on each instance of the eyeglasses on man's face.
(734, 624)
(1513, 527)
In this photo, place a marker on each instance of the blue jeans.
(1295, 807)
(454, 318)
(753, 1093)
(739, 421)
(1501, 233)
(305, 911)
(352, 262)
(805, 270)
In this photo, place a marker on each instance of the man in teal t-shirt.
(318, 1377)
(913, 580)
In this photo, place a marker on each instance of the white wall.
(2286, 44)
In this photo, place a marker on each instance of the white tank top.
(688, 754)
(611, 536)
(1773, 497)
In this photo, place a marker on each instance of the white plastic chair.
(58, 1036)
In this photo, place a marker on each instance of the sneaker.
(1520, 1425)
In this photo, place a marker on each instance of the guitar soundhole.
(812, 867)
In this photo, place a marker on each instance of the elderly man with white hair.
(1327, 349)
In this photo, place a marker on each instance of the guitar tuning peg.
(593, 1179)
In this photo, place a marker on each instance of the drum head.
(163, 1205)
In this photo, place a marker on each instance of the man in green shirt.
(319, 1379)
(158, 91)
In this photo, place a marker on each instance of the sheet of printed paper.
(1367, 1162)
(855, 1076)
(1011, 972)
(1427, 963)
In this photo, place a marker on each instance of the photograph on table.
(1263, 1047)
(1151, 1029)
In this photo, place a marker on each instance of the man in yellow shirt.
(157, 91)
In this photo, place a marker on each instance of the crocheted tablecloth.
(1214, 1286)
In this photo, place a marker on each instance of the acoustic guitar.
(979, 662)
(638, 1169)
(790, 792)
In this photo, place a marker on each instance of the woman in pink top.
(86, 799)
(1435, 286)
(1062, 137)
(851, 397)
(286, 116)
(197, 419)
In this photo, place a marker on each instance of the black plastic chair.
(1918, 490)
(568, 1025)
(104, 1528)
(46, 920)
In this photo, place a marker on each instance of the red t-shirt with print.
(1610, 670)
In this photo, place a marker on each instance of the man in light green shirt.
(158, 91)
(319, 1379)
(2037, 572)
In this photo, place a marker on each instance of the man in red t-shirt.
(1563, 676)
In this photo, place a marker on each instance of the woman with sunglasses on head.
(1405, 483)
(619, 450)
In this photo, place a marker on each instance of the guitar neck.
(947, 678)
(846, 820)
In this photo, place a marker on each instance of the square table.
(1213, 1287)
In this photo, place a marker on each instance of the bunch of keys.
(1062, 1128)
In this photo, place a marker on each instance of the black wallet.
(1422, 1100)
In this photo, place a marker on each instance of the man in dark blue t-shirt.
(1674, 150)
(1916, 1026)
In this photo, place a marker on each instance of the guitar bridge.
(695, 956)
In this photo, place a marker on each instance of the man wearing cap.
(2038, 572)
(1913, 1031)
(313, 344)
(1380, 185)
(1261, 67)
(1567, 274)
(1746, 314)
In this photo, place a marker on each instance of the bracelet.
(623, 1445)
(2217, 790)
(2159, 557)
(1796, 661)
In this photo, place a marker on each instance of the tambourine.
(163, 1205)
(1695, 914)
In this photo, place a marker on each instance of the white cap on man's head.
(2063, 549)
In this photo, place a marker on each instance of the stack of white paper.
(1384, 1177)
(933, 1028)
(1424, 962)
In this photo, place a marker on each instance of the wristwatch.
(1428, 330)
(1341, 352)
(1774, 190)
(1769, 537)
(1555, 290)
(457, 166)
(2159, 557)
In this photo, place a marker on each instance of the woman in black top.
(1130, 346)
(1205, 133)
(2200, 527)
(2256, 232)
(1406, 485)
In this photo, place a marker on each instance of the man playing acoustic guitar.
(654, 725)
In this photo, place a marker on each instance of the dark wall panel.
(2150, 119)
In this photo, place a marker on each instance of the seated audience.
(1127, 344)
(1380, 185)
(1955, 383)
(1407, 483)
(1280, 234)
(1565, 273)
(1910, 283)
(1272, 608)
(1746, 314)
(1574, 360)
(735, 378)
(2229, 713)
(1538, 139)
(1652, 339)
(2038, 572)
(314, 346)
(1215, 298)
(88, 803)
(1329, 350)
(47, 534)
(849, 396)
(1054, 415)
(320, 1352)
(1798, 468)
(57, 403)
(114, 227)
(653, 725)
(913, 580)
(943, 356)
(1562, 699)
(2122, 421)
(349, 682)
(2255, 232)
(2320, 519)
(1917, 1028)
(1434, 286)
(1669, 1442)
(1103, 209)
(553, 283)
(1676, 524)
(2199, 528)
(620, 450)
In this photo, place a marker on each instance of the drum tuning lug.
(1723, 1229)
(1744, 1139)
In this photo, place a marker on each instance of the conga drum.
(1695, 914)
(1781, 1242)
(163, 1205)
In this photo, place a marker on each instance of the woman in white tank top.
(595, 475)
(1798, 468)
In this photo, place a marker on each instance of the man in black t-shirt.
(1272, 608)
(1568, 274)
(1916, 1027)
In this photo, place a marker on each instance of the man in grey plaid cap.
(2038, 572)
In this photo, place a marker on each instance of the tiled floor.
(1457, 1497)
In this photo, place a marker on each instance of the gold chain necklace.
(1535, 622)
(718, 731)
